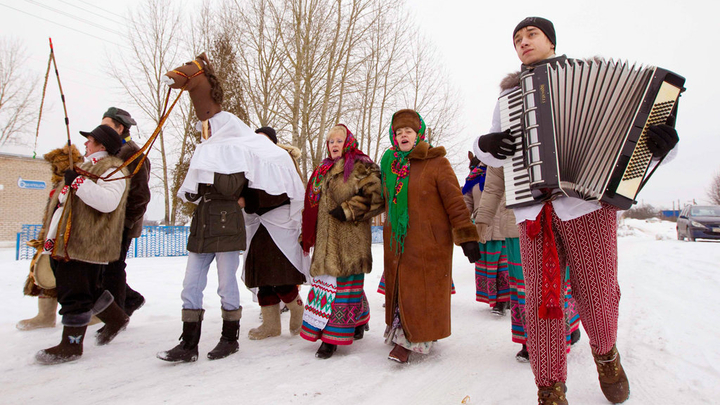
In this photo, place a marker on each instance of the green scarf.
(395, 167)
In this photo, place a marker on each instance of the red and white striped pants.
(587, 244)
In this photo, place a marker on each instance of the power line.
(96, 25)
(65, 26)
(109, 14)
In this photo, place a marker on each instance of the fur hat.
(59, 162)
(106, 136)
(406, 118)
(269, 132)
(120, 116)
(545, 25)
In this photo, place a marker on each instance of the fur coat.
(419, 280)
(342, 248)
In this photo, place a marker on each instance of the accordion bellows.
(582, 128)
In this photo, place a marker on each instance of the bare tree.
(17, 92)
(714, 190)
(155, 37)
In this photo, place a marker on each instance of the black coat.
(218, 224)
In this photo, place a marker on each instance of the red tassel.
(550, 295)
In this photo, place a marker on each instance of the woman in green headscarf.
(425, 215)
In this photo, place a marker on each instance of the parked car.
(699, 222)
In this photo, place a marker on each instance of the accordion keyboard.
(517, 180)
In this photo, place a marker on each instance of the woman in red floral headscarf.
(342, 196)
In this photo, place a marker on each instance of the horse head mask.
(198, 78)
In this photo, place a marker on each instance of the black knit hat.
(545, 25)
(120, 116)
(269, 131)
(107, 137)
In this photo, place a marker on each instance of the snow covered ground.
(668, 338)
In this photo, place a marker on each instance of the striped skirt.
(492, 283)
(350, 309)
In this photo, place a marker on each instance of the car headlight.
(697, 224)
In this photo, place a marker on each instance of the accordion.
(580, 130)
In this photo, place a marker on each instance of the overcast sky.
(474, 41)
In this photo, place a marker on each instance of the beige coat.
(472, 201)
(492, 204)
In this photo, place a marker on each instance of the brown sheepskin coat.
(419, 280)
(344, 248)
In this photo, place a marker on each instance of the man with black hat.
(114, 278)
(565, 224)
(84, 233)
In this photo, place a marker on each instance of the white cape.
(233, 148)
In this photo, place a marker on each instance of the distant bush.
(644, 211)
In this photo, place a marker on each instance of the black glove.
(498, 144)
(471, 251)
(338, 213)
(70, 176)
(661, 139)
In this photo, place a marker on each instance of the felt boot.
(187, 349)
(47, 310)
(228, 343)
(69, 349)
(270, 323)
(115, 321)
(296, 315)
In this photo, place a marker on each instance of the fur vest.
(343, 248)
(95, 237)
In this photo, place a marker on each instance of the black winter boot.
(69, 349)
(187, 350)
(228, 343)
(115, 321)
(325, 351)
(360, 331)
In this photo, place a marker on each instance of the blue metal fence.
(155, 241)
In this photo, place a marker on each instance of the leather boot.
(399, 354)
(297, 310)
(360, 331)
(228, 343)
(69, 349)
(523, 356)
(613, 381)
(47, 310)
(187, 349)
(115, 321)
(325, 351)
(500, 308)
(270, 323)
(552, 395)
